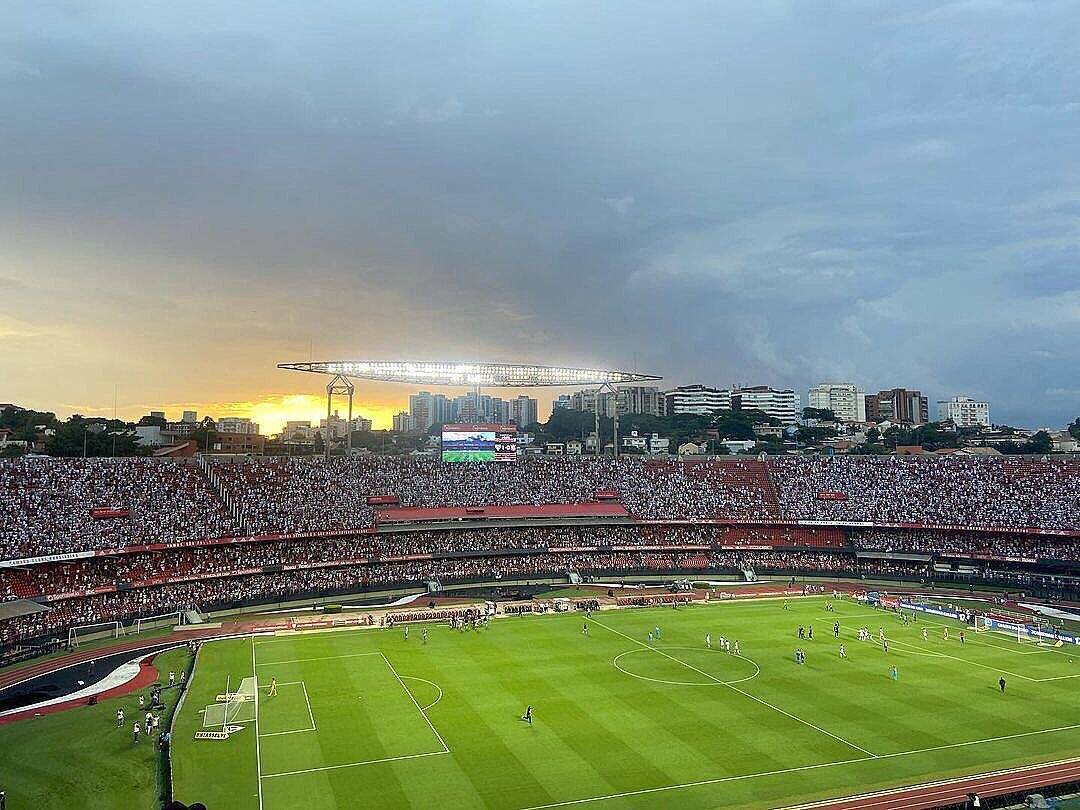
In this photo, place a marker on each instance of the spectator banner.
(48, 558)
(105, 512)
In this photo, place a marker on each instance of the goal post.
(1020, 632)
(113, 629)
(231, 707)
(177, 615)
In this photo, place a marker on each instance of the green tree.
(1040, 444)
(94, 437)
(1074, 429)
(24, 424)
(823, 414)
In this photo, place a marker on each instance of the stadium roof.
(487, 375)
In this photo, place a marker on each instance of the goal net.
(1020, 632)
(99, 630)
(232, 707)
(175, 618)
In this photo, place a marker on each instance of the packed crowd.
(1046, 548)
(52, 581)
(304, 494)
(250, 588)
(1010, 493)
(45, 504)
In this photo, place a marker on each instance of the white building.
(561, 401)
(700, 399)
(237, 424)
(964, 411)
(779, 403)
(846, 400)
(298, 430)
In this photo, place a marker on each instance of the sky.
(758, 192)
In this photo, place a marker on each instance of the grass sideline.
(621, 722)
(79, 758)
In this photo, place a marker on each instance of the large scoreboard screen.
(479, 442)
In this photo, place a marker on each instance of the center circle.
(689, 666)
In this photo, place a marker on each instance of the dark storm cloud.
(762, 192)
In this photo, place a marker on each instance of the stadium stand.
(176, 535)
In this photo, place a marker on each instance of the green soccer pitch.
(468, 455)
(370, 718)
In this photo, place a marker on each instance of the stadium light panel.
(487, 375)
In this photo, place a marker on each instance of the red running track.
(953, 792)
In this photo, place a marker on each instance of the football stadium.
(272, 633)
(540, 405)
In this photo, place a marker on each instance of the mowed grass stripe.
(742, 692)
(935, 722)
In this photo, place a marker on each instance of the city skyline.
(190, 198)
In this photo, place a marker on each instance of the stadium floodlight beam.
(477, 375)
(484, 375)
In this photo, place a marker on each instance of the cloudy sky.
(723, 192)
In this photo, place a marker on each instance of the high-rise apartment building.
(898, 405)
(700, 399)
(846, 400)
(964, 411)
(779, 403)
(523, 411)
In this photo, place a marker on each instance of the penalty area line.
(355, 764)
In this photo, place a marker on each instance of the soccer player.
(735, 648)
(785, 604)
(273, 687)
(135, 732)
(843, 651)
(172, 678)
(527, 717)
(885, 645)
(810, 633)
(962, 639)
(708, 641)
(836, 629)
(656, 631)
(1001, 684)
(924, 638)
(894, 673)
(423, 635)
(945, 634)
(584, 628)
(406, 632)
(142, 703)
(650, 636)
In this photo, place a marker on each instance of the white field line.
(307, 700)
(939, 653)
(292, 731)
(745, 776)
(318, 658)
(355, 764)
(738, 690)
(978, 639)
(311, 717)
(892, 792)
(258, 753)
(429, 683)
(435, 731)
